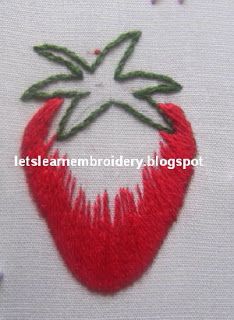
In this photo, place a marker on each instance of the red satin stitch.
(108, 255)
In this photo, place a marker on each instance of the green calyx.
(77, 65)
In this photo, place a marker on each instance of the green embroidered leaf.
(76, 65)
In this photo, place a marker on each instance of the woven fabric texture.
(192, 276)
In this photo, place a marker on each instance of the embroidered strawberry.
(107, 255)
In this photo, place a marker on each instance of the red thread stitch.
(97, 52)
(108, 255)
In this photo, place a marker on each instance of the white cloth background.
(192, 277)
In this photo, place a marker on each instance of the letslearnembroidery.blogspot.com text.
(112, 161)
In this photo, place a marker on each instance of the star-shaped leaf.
(77, 66)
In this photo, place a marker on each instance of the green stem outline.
(36, 92)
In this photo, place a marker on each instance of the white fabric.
(192, 277)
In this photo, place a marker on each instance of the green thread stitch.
(76, 64)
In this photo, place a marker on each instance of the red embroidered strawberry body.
(108, 255)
